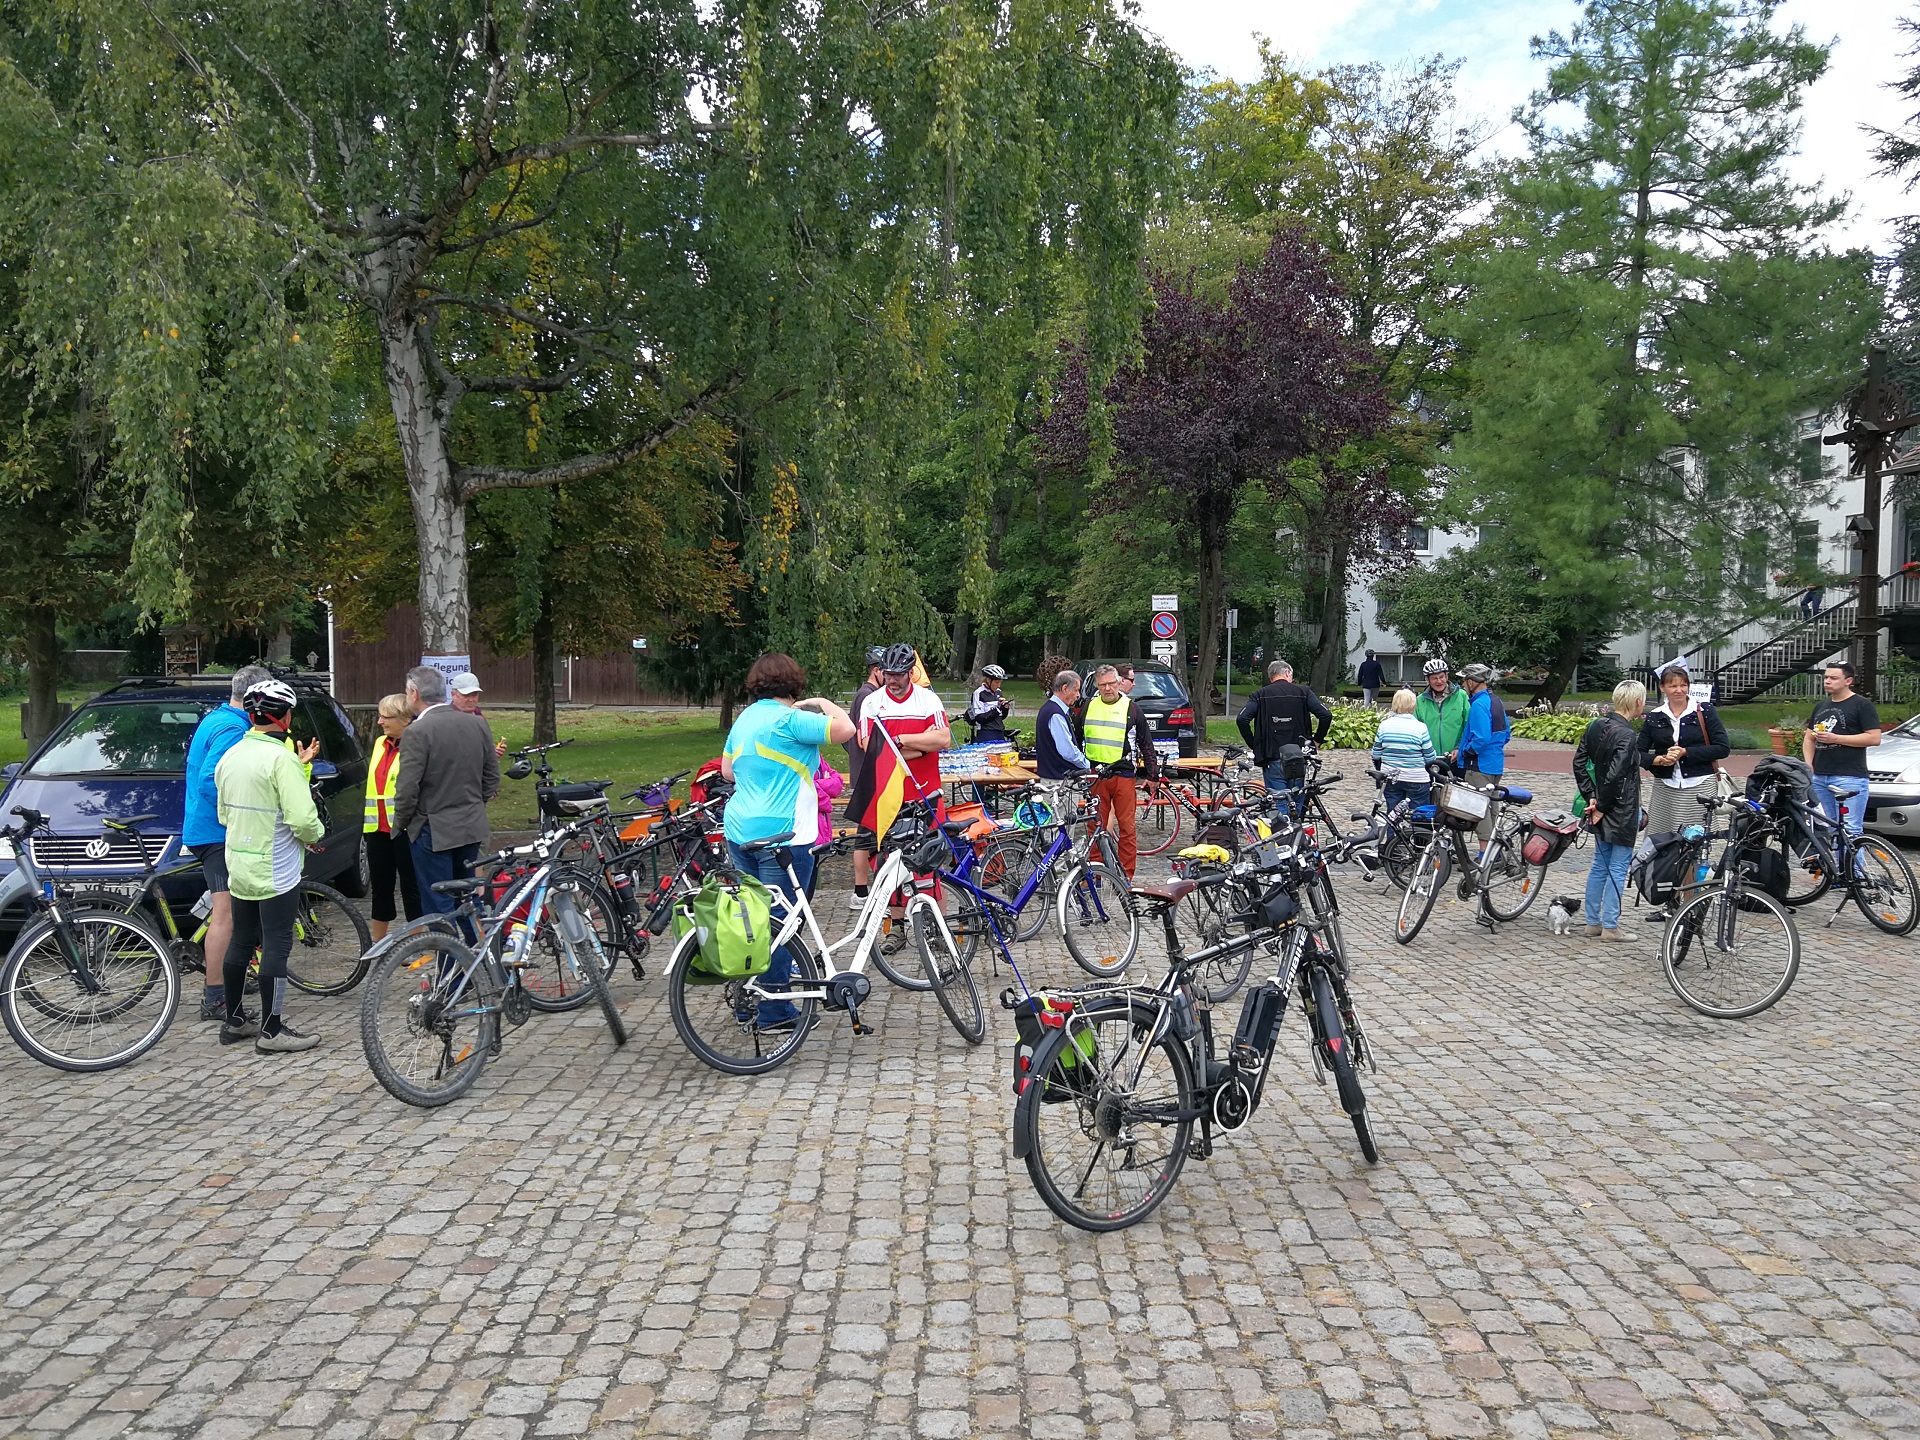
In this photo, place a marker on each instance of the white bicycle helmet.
(268, 700)
(1435, 666)
(993, 672)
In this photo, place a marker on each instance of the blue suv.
(124, 754)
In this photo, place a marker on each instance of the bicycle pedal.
(860, 1029)
(1200, 1149)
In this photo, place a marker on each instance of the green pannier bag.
(734, 922)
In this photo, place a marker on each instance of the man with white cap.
(466, 699)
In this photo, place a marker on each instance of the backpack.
(733, 917)
(1660, 871)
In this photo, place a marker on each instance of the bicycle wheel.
(1399, 853)
(1156, 823)
(1330, 1037)
(1202, 920)
(901, 968)
(429, 1019)
(1512, 884)
(1429, 878)
(1004, 869)
(1807, 875)
(716, 1017)
(555, 979)
(1096, 919)
(330, 942)
(1107, 1131)
(57, 1019)
(1883, 887)
(1731, 956)
(947, 970)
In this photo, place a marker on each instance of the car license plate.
(119, 889)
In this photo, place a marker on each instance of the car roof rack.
(316, 679)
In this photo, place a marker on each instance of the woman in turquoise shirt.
(772, 754)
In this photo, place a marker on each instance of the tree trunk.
(1328, 665)
(43, 675)
(545, 722)
(986, 648)
(729, 701)
(962, 643)
(439, 515)
(1565, 662)
(1206, 619)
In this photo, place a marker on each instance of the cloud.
(1491, 37)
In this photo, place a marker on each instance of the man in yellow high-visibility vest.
(1113, 732)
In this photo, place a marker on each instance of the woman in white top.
(1680, 742)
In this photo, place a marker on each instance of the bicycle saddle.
(457, 887)
(955, 828)
(1515, 794)
(130, 822)
(1171, 893)
(767, 844)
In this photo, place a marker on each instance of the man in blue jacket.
(201, 831)
(1483, 744)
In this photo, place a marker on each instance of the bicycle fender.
(405, 930)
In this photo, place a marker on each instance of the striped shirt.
(1402, 747)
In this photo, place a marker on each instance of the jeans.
(1844, 796)
(1607, 883)
(765, 866)
(1419, 792)
(1285, 792)
(431, 865)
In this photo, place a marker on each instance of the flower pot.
(1779, 739)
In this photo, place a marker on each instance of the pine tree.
(1660, 314)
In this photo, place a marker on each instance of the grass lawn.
(627, 747)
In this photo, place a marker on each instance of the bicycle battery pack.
(1259, 1019)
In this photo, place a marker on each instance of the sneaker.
(232, 1032)
(854, 902)
(1593, 932)
(1615, 934)
(285, 1041)
(894, 943)
(783, 1026)
(213, 1010)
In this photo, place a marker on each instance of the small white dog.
(1561, 912)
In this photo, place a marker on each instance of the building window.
(1806, 547)
(1416, 538)
(1753, 560)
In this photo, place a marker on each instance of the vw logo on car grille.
(98, 848)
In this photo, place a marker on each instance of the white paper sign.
(1165, 602)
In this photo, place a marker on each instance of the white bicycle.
(718, 1017)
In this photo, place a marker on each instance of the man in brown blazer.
(447, 776)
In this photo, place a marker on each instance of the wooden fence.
(364, 670)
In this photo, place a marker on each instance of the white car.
(1893, 774)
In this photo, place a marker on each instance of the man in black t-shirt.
(1844, 726)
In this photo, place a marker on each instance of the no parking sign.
(1165, 625)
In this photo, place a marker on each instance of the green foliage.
(1487, 602)
(1657, 313)
(1559, 726)
(1354, 725)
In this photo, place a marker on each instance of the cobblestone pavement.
(1596, 1212)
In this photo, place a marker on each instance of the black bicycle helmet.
(875, 655)
(993, 672)
(268, 700)
(898, 660)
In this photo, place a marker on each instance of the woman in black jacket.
(1606, 767)
(1680, 742)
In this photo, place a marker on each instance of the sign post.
(1233, 624)
(1163, 630)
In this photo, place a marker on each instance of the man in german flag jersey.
(916, 721)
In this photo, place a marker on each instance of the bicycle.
(1732, 950)
(717, 1017)
(330, 937)
(1115, 1079)
(1501, 881)
(83, 989)
(1164, 806)
(1818, 849)
(431, 1016)
(1081, 883)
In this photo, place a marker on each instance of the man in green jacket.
(1442, 706)
(270, 819)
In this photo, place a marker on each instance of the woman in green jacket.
(270, 819)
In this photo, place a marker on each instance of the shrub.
(1354, 726)
(1560, 726)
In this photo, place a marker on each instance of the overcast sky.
(1491, 37)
